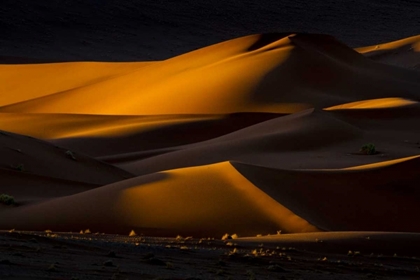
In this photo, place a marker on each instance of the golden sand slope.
(200, 201)
(374, 104)
(25, 82)
(256, 73)
(245, 199)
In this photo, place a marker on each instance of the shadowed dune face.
(253, 135)
(375, 197)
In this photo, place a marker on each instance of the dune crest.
(403, 53)
(374, 104)
(284, 75)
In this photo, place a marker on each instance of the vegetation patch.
(18, 167)
(7, 199)
(368, 149)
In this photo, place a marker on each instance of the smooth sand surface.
(250, 136)
(403, 53)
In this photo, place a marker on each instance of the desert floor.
(40, 255)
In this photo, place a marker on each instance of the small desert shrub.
(368, 149)
(18, 167)
(7, 199)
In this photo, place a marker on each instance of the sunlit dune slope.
(374, 104)
(199, 201)
(31, 156)
(258, 73)
(403, 53)
(26, 82)
(377, 197)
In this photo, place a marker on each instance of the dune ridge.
(168, 203)
(298, 66)
(403, 53)
(251, 136)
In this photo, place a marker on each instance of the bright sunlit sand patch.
(23, 82)
(413, 42)
(181, 85)
(212, 198)
(374, 104)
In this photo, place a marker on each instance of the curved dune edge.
(296, 133)
(402, 53)
(357, 199)
(285, 74)
(381, 164)
(370, 166)
(200, 201)
(380, 103)
(55, 126)
(413, 41)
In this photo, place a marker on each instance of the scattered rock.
(108, 263)
(155, 261)
(5, 261)
(52, 268)
(111, 254)
(276, 268)
(70, 155)
(148, 256)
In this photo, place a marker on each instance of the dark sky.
(126, 30)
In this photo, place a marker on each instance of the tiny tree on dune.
(7, 199)
(368, 149)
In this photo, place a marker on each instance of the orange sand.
(250, 136)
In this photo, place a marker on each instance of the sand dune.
(236, 197)
(199, 201)
(384, 196)
(252, 135)
(259, 73)
(31, 81)
(106, 135)
(404, 53)
(32, 169)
